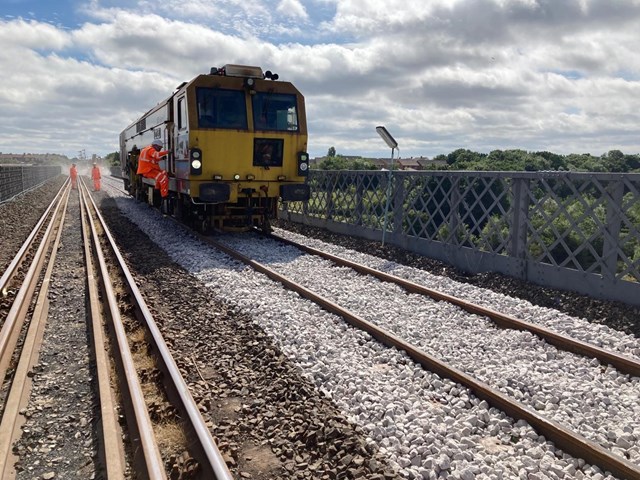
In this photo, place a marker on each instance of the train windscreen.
(275, 111)
(219, 108)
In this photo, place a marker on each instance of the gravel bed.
(426, 426)
(255, 354)
(58, 439)
(601, 332)
(19, 215)
(571, 389)
(616, 315)
(269, 421)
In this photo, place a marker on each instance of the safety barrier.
(575, 231)
(15, 179)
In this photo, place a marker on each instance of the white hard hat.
(157, 142)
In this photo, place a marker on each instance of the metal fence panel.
(15, 179)
(578, 231)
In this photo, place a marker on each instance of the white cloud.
(32, 35)
(477, 74)
(292, 8)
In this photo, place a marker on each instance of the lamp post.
(389, 140)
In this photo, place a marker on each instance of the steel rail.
(15, 318)
(621, 362)
(569, 441)
(205, 451)
(19, 257)
(114, 462)
(151, 459)
(108, 182)
(18, 396)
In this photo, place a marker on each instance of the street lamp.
(386, 136)
(389, 140)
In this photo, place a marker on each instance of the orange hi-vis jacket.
(73, 173)
(149, 160)
(95, 173)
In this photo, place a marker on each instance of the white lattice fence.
(532, 225)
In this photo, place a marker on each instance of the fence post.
(610, 247)
(520, 212)
(330, 184)
(454, 214)
(359, 199)
(398, 204)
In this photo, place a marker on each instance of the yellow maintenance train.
(237, 142)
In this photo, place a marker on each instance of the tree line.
(504, 160)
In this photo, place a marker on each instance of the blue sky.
(439, 74)
(58, 12)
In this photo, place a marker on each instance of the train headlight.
(251, 177)
(236, 176)
(195, 161)
(303, 164)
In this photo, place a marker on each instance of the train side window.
(275, 111)
(182, 113)
(219, 108)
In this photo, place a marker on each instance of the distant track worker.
(148, 166)
(73, 174)
(96, 176)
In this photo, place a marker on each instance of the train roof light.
(242, 71)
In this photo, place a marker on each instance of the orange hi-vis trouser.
(148, 167)
(162, 182)
(96, 184)
(161, 178)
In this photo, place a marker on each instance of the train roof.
(228, 70)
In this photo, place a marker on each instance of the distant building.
(380, 163)
(409, 164)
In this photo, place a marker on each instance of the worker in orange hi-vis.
(148, 166)
(73, 174)
(95, 176)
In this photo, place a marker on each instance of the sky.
(554, 75)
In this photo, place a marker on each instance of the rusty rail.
(205, 451)
(623, 363)
(21, 384)
(564, 438)
(151, 460)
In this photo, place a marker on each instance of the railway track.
(21, 336)
(299, 280)
(319, 345)
(298, 335)
(624, 364)
(125, 339)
